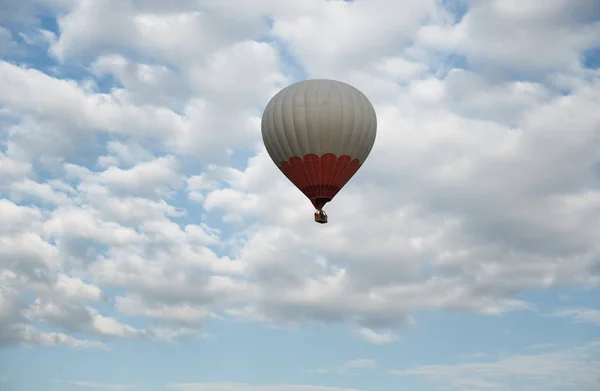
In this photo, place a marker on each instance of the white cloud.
(144, 178)
(248, 387)
(220, 115)
(540, 38)
(12, 169)
(352, 366)
(156, 85)
(103, 386)
(16, 217)
(151, 28)
(375, 337)
(185, 314)
(581, 315)
(575, 367)
(482, 182)
(362, 363)
(6, 40)
(28, 335)
(327, 35)
(41, 192)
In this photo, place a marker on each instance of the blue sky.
(138, 247)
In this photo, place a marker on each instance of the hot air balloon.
(319, 133)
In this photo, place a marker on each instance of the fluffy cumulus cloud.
(137, 200)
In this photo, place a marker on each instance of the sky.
(148, 242)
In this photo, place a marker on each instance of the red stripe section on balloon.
(320, 178)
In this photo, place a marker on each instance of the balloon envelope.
(319, 133)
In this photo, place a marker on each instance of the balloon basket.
(320, 217)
